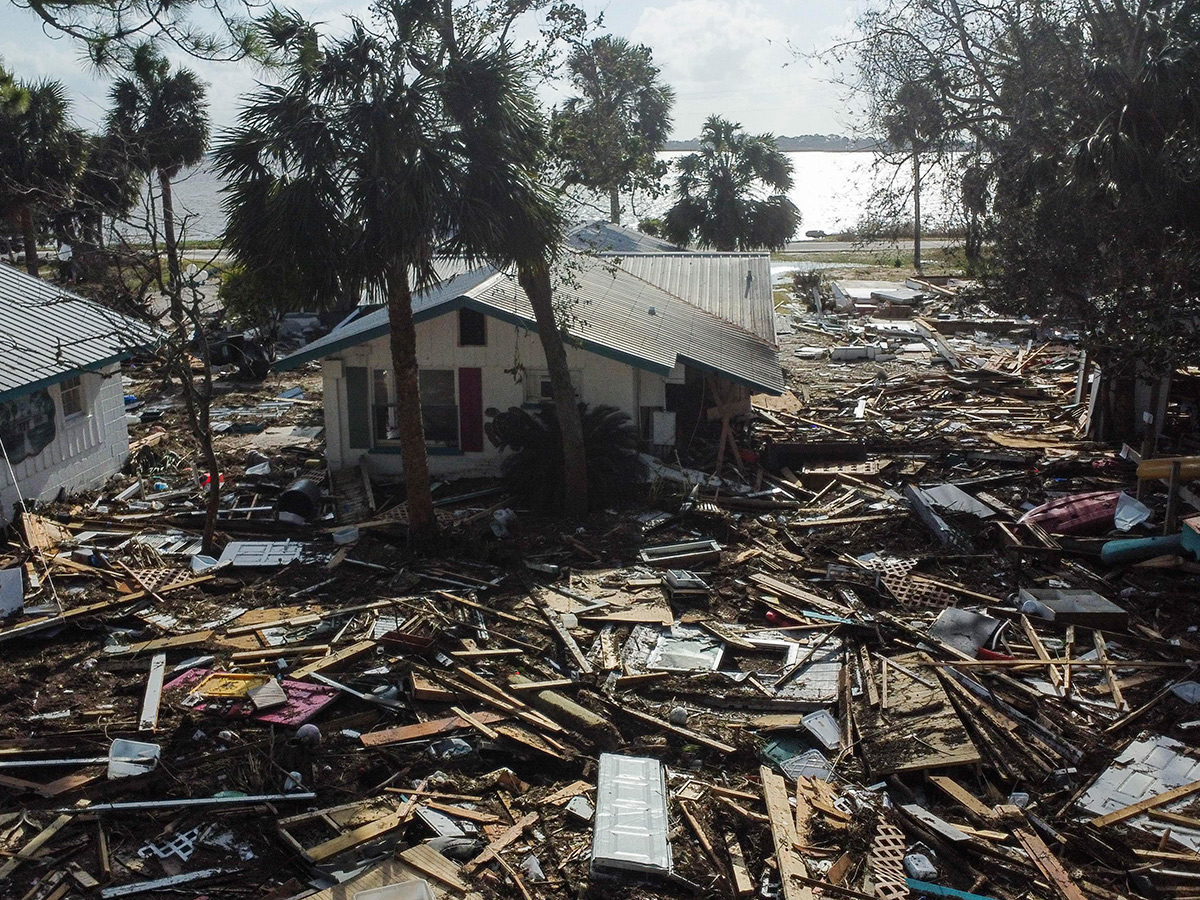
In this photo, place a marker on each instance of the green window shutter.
(358, 408)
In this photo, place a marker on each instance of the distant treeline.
(832, 142)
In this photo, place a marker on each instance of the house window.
(472, 328)
(70, 392)
(538, 391)
(439, 408)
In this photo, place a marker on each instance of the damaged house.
(62, 410)
(668, 338)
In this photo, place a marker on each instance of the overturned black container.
(300, 502)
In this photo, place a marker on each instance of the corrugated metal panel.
(631, 816)
(604, 237)
(634, 320)
(612, 312)
(735, 287)
(47, 333)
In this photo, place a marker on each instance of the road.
(854, 247)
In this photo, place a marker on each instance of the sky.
(742, 59)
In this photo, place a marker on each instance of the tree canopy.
(608, 135)
(1085, 124)
(732, 194)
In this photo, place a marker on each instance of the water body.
(831, 189)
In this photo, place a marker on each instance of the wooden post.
(1171, 523)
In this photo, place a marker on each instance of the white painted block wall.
(85, 452)
(598, 379)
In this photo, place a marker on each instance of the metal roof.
(605, 237)
(733, 286)
(613, 313)
(48, 334)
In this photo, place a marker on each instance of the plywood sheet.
(918, 730)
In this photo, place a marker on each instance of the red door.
(470, 409)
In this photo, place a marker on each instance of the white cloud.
(735, 58)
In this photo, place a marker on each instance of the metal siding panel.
(631, 815)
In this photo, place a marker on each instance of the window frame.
(390, 444)
(483, 321)
(77, 390)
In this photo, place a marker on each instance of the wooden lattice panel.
(915, 593)
(159, 579)
(890, 565)
(887, 862)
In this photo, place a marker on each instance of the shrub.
(534, 471)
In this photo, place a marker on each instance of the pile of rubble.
(890, 651)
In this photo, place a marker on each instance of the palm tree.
(376, 155)
(507, 215)
(40, 157)
(161, 118)
(914, 122)
(608, 135)
(337, 172)
(732, 195)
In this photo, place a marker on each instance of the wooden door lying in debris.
(913, 726)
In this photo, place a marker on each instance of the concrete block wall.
(86, 450)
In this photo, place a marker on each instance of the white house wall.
(598, 379)
(86, 450)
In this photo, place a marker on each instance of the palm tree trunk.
(30, 235)
(614, 205)
(535, 281)
(422, 523)
(916, 211)
(174, 283)
(198, 403)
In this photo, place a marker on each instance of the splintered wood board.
(918, 730)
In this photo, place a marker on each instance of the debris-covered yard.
(890, 650)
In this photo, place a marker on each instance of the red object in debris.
(1078, 514)
(208, 479)
(750, 457)
(782, 621)
(985, 653)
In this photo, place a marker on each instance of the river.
(832, 191)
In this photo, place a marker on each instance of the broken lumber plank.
(35, 625)
(245, 656)
(481, 727)
(360, 835)
(461, 812)
(1110, 674)
(1049, 865)
(742, 885)
(711, 743)
(333, 660)
(424, 729)
(148, 720)
(799, 594)
(783, 834)
(493, 849)
(1040, 649)
(976, 808)
(195, 639)
(1128, 812)
(689, 816)
(40, 839)
(560, 630)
